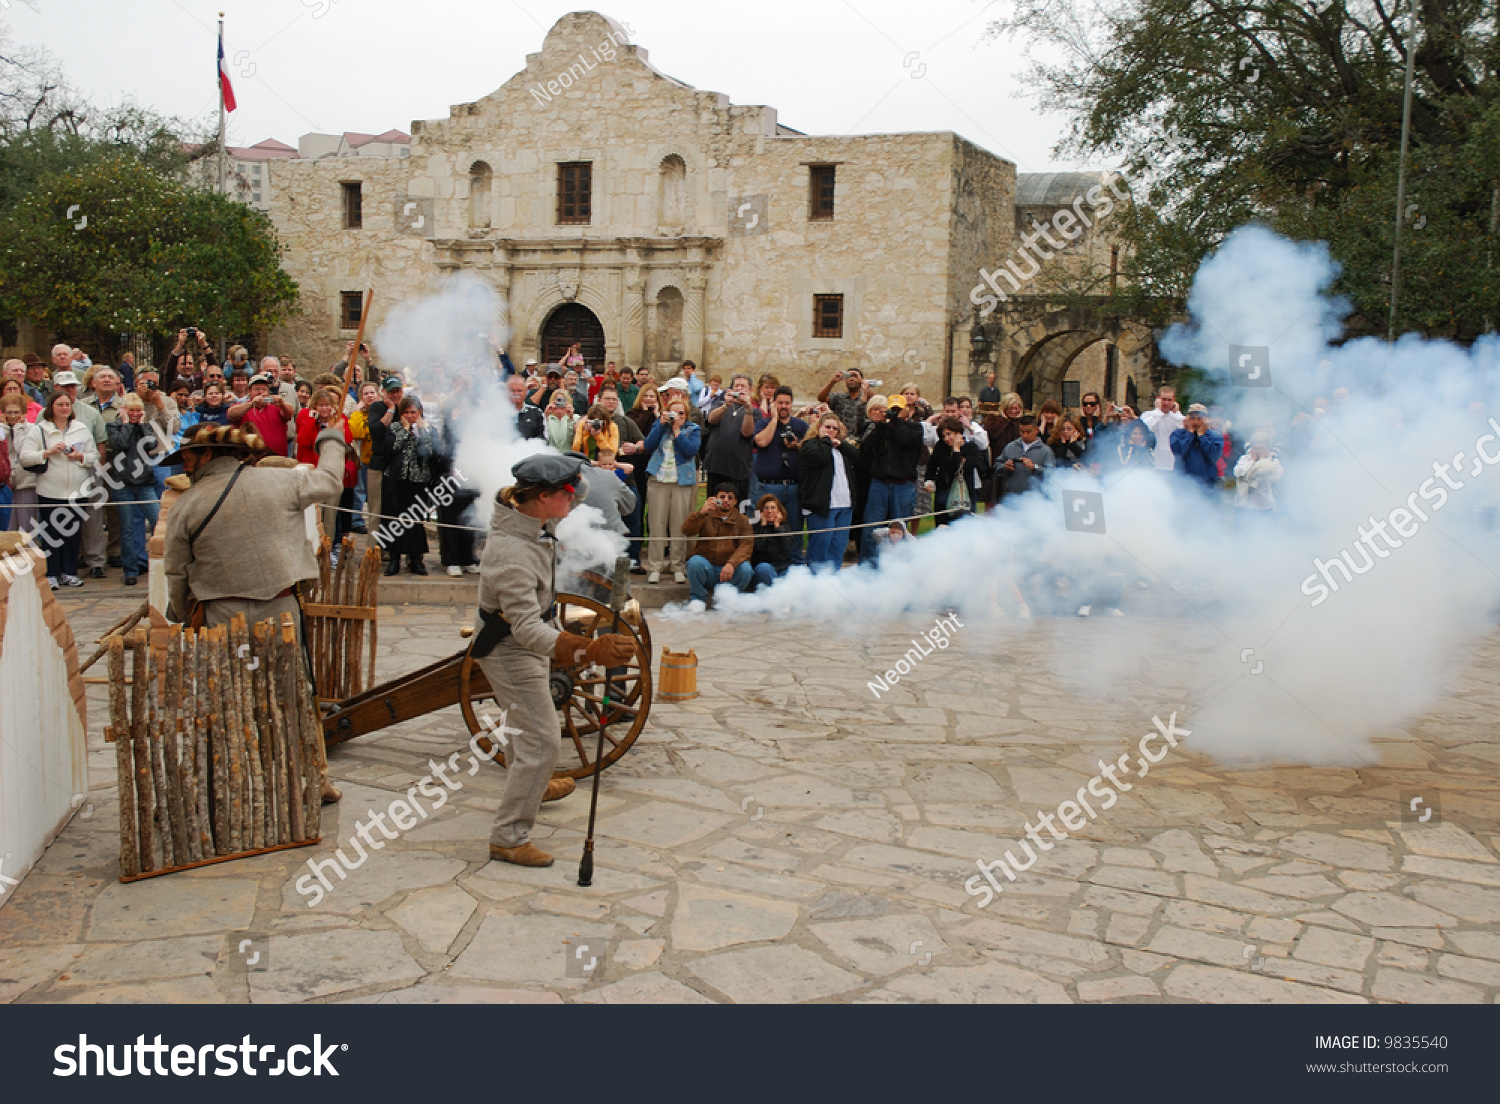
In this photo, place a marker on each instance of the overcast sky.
(369, 65)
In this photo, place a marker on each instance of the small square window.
(575, 188)
(354, 206)
(351, 307)
(820, 191)
(828, 316)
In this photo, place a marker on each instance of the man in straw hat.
(236, 540)
(515, 644)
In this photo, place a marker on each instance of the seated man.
(725, 542)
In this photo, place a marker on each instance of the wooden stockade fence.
(216, 740)
(338, 609)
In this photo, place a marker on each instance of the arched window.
(671, 206)
(479, 195)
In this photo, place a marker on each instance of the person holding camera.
(778, 542)
(595, 433)
(134, 445)
(672, 484)
(1024, 461)
(191, 347)
(826, 490)
(265, 412)
(1197, 447)
(851, 403)
(951, 470)
(728, 455)
(778, 445)
(892, 449)
(63, 454)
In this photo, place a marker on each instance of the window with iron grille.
(575, 186)
(828, 316)
(354, 206)
(351, 306)
(820, 191)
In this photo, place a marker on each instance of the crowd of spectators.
(847, 473)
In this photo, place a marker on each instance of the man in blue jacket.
(1198, 449)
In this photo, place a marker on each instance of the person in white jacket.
(1256, 471)
(1162, 420)
(66, 446)
(17, 431)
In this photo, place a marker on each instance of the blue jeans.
(888, 501)
(137, 523)
(361, 490)
(786, 494)
(764, 575)
(704, 576)
(6, 497)
(828, 534)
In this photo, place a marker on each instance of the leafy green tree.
(1224, 112)
(117, 248)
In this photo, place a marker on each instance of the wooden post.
(226, 829)
(167, 718)
(208, 823)
(259, 681)
(141, 746)
(283, 703)
(119, 716)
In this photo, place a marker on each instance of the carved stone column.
(649, 355)
(693, 321)
(634, 314)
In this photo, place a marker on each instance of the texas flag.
(226, 90)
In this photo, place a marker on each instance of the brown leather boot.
(559, 788)
(528, 854)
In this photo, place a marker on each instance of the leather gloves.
(609, 650)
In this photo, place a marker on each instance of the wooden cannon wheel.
(629, 692)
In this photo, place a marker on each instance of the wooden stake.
(203, 749)
(283, 704)
(259, 681)
(177, 798)
(141, 746)
(248, 662)
(119, 719)
(226, 835)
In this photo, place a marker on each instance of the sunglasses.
(1090, 404)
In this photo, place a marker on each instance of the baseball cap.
(896, 402)
(1198, 408)
(530, 362)
(676, 383)
(65, 379)
(391, 383)
(262, 377)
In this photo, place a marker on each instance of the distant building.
(247, 177)
(611, 205)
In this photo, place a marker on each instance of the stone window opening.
(575, 188)
(351, 306)
(820, 192)
(479, 195)
(828, 316)
(354, 205)
(671, 202)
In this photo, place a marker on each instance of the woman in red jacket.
(318, 416)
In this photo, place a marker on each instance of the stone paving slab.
(787, 837)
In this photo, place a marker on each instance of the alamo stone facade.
(609, 203)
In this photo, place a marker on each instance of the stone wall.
(699, 243)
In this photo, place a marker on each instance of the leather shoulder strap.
(193, 536)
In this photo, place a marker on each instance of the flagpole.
(220, 82)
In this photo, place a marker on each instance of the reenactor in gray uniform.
(515, 644)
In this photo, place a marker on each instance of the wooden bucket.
(679, 676)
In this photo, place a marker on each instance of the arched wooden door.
(568, 324)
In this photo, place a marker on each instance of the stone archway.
(570, 323)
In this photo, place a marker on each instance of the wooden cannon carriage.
(577, 691)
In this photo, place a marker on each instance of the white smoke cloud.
(446, 342)
(1338, 671)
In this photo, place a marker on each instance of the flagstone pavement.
(788, 837)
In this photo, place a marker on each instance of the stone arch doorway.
(570, 323)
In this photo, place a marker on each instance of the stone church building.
(612, 205)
